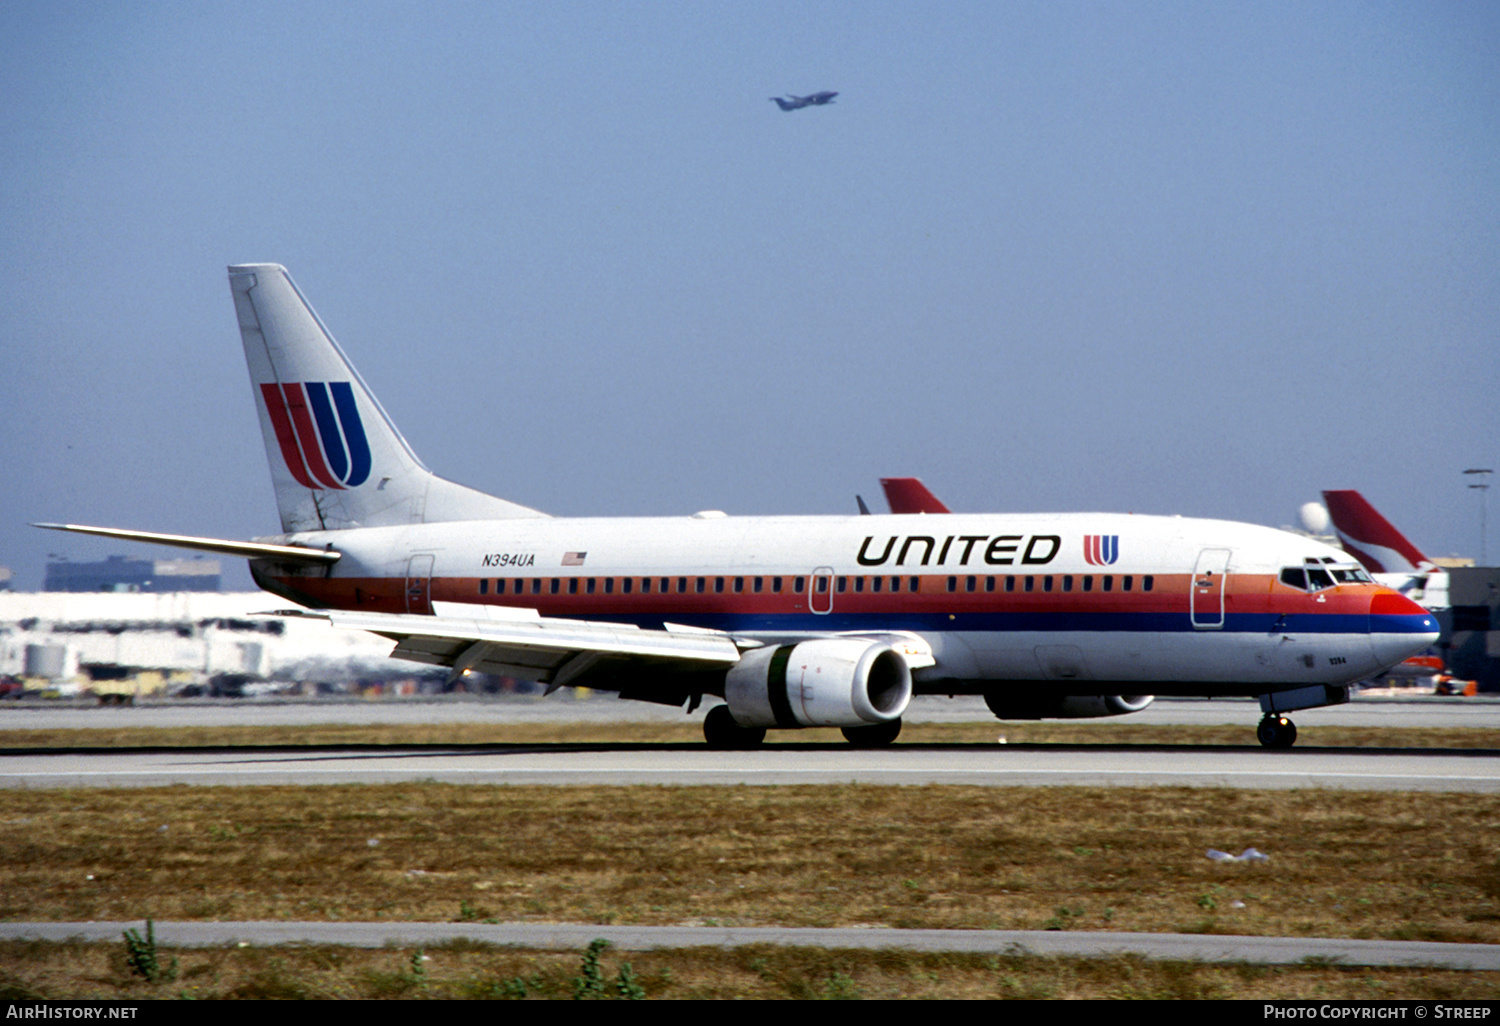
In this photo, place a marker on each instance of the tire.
(876, 735)
(722, 732)
(1276, 732)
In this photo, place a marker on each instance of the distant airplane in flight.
(798, 102)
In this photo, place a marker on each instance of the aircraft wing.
(510, 642)
(554, 651)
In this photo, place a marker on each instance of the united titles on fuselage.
(999, 550)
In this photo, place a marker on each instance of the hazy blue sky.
(1197, 258)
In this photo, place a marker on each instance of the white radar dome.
(1314, 518)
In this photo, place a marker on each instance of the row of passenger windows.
(1051, 582)
(647, 585)
(776, 585)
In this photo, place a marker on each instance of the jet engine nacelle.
(1063, 707)
(827, 682)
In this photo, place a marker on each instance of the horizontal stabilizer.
(223, 546)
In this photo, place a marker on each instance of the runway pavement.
(987, 765)
(573, 937)
(567, 705)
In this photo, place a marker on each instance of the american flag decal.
(573, 558)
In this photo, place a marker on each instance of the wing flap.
(547, 650)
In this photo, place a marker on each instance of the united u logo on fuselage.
(1101, 549)
(321, 436)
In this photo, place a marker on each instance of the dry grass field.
(1342, 864)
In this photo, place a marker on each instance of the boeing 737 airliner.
(830, 621)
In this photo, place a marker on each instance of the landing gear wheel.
(876, 735)
(1276, 732)
(721, 731)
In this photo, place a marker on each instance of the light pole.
(1484, 500)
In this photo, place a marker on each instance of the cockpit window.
(1318, 579)
(1316, 576)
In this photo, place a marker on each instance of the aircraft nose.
(1399, 628)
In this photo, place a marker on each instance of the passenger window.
(1148, 582)
(556, 585)
(484, 586)
(1067, 582)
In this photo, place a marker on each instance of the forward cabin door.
(1206, 596)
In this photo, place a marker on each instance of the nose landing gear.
(1276, 732)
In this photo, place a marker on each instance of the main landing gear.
(1276, 732)
(722, 731)
(876, 735)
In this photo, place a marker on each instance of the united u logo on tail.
(318, 428)
(1101, 549)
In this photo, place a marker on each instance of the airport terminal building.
(132, 574)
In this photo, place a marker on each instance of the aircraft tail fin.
(337, 460)
(1370, 537)
(910, 495)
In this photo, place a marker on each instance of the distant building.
(129, 574)
(1474, 648)
(5, 576)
